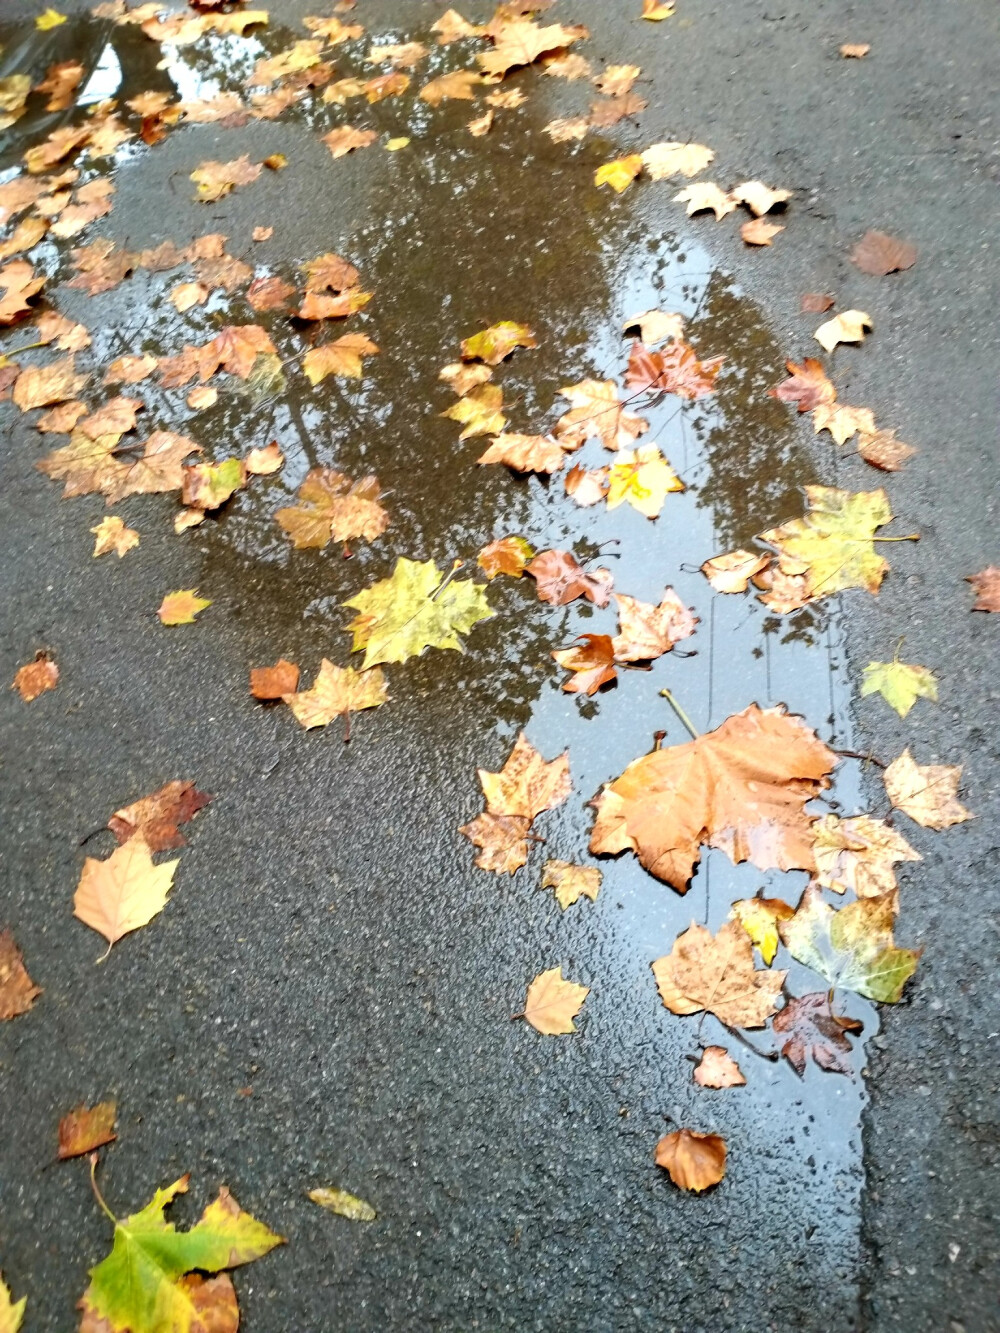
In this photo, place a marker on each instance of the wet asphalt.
(326, 999)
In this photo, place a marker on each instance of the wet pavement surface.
(326, 998)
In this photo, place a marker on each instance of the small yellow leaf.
(656, 11)
(113, 535)
(571, 882)
(899, 684)
(553, 1003)
(51, 18)
(344, 1204)
(180, 608)
(643, 477)
(759, 917)
(847, 327)
(706, 196)
(394, 145)
(11, 1311)
(620, 173)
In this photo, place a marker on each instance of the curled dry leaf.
(188, 294)
(847, 327)
(506, 555)
(851, 947)
(742, 788)
(664, 160)
(759, 232)
(560, 579)
(343, 1204)
(86, 1128)
(855, 50)
(860, 854)
(124, 892)
(36, 677)
(718, 1069)
(112, 535)
(759, 917)
(17, 991)
(758, 197)
(18, 284)
(265, 461)
(591, 662)
(807, 385)
(733, 571)
(336, 692)
(811, 1028)
(571, 882)
(620, 173)
(986, 586)
(496, 343)
(926, 792)
(180, 608)
(716, 973)
(155, 818)
(878, 253)
(274, 682)
(62, 418)
(900, 684)
(883, 450)
(693, 1161)
(656, 326)
(553, 1002)
(331, 507)
(656, 10)
(842, 421)
(706, 197)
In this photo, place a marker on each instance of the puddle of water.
(452, 234)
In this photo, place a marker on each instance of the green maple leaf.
(899, 684)
(833, 541)
(852, 947)
(414, 609)
(139, 1287)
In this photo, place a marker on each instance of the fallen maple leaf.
(899, 683)
(597, 412)
(342, 357)
(676, 369)
(742, 788)
(36, 677)
(155, 818)
(506, 555)
(404, 54)
(142, 1281)
(527, 785)
(807, 386)
(38, 386)
(319, 305)
(528, 453)
(620, 173)
(333, 508)
(842, 421)
(502, 839)
(560, 579)
(646, 632)
(481, 124)
(878, 253)
(566, 128)
(124, 892)
(11, 1311)
(847, 327)
(188, 294)
(758, 197)
(116, 417)
(336, 692)
(62, 418)
(591, 661)
(60, 82)
(262, 233)
(19, 285)
(855, 50)
(414, 609)
(569, 65)
(266, 461)
(815, 302)
(851, 947)
(269, 293)
(386, 85)
(334, 30)
(706, 196)
(644, 478)
(17, 991)
(180, 608)
(656, 10)
(759, 232)
(616, 80)
(609, 111)
(457, 86)
(925, 792)
(452, 27)
(553, 1002)
(693, 1161)
(571, 882)
(859, 854)
(811, 1028)
(783, 593)
(519, 41)
(86, 1128)
(986, 586)
(113, 535)
(833, 543)
(496, 343)
(462, 377)
(587, 487)
(716, 973)
(656, 326)
(718, 1069)
(159, 468)
(330, 272)
(883, 450)
(759, 917)
(663, 160)
(130, 369)
(733, 571)
(343, 1204)
(346, 138)
(274, 682)
(216, 179)
(479, 411)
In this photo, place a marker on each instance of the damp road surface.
(327, 997)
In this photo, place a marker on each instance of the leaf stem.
(668, 695)
(910, 537)
(97, 1193)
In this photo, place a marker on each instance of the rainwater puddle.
(452, 234)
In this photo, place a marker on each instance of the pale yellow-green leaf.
(899, 684)
(344, 1204)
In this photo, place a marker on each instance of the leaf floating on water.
(733, 571)
(506, 555)
(644, 478)
(86, 1128)
(457, 86)
(571, 882)
(807, 385)
(598, 413)
(693, 1161)
(812, 1029)
(759, 917)
(560, 579)
(676, 369)
(343, 1204)
(718, 1069)
(717, 973)
(859, 854)
(620, 173)
(502, 840)
(646, 632)
(591, 662)
(553, 1002)
(926, 792)
(497, 342)
(333, 508)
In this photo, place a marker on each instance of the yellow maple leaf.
(672, 158)
(620, 173)
(113, 535)
(337, 691)
(643, 477)
(925, 792)
(342, 357)
(571, 882)
(180, 608)
(553, 1002)
(50, 18)
(479, 411)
